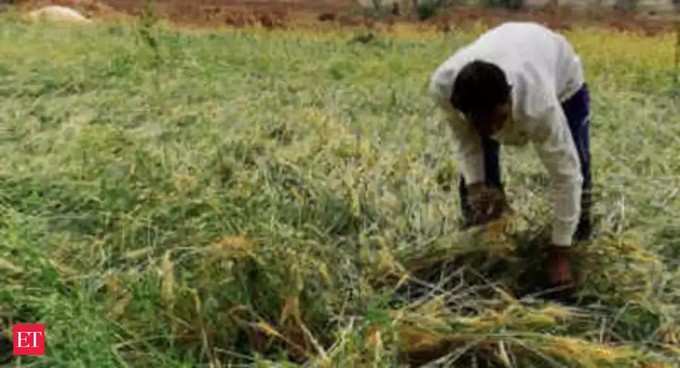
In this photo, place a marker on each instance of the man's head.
(482, 93)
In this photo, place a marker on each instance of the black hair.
(479, 88)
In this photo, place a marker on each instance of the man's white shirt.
(544, 71)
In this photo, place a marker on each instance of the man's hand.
(487, 203)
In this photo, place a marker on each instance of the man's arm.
(469, 144)
(469, 151)
(556, 149)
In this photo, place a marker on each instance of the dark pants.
(577, 111)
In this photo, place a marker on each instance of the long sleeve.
(558, 154)
(469, 146)
(469, 150)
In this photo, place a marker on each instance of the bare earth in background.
(284, 13)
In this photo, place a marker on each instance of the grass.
(284, 198)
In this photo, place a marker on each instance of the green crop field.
(287, 198)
